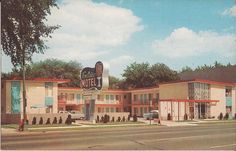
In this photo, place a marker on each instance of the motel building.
(192, 99)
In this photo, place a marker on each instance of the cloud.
(230, 11)
(184, 42)
(118, 64)
(88, 28)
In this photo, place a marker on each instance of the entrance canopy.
(186, 100)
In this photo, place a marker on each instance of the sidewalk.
(8, 131)
(168, 123)
(172, 123)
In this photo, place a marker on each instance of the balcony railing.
(144, 102)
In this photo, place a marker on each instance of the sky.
(119, 32)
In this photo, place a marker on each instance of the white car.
(63, 112)
(76, 115)
(151, 115)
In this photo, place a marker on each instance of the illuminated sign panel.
(91, 78)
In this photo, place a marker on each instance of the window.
(71, 97)
(135, 110)
(135, 97)
(157, 97)
(112, 109)
(125, 96)
(107, 97)
(60, 97)
(111, 97)
(141, 111)
(198, 91)
(145, 109)
(78, 96)
(150, 96)
(98, 97)
(66, 96)
(49, 89)
(228, 92)
(107, 109)
(145, 97)
(117, 97)
(141, 97)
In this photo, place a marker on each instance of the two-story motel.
(195, 98)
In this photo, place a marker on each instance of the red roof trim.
(200, 81)
(41, 80)
(143, 89)
(69, 88)
(186, 100)
(213, 82)
(107, 105)
(78, 88)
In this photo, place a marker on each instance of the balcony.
(139, 102)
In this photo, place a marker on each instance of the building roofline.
(186, 100)
(40, 80)
(105, 90)
(114, 90)
(200, 81)
(143, 88)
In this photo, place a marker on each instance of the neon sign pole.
(91, 82)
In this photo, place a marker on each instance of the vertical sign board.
(91, 78)
(91, 82)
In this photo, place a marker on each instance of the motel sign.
(91, 78)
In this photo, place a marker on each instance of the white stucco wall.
(218, 93)
(35, 94)
(174, 91)
(233, 101)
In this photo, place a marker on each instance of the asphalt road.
(211, 136)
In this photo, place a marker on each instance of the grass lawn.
(115, 123)
(16, 126)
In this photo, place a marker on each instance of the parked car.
(76, 115)
(63, 112)
(151, 115)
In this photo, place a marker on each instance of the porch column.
(178, 110)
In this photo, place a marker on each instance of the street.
(220, 136)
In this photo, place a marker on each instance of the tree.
(137, 75)
(114, 82)
(162, 73)
(186, 69)
(144, 75)
(52, 68)
(217, 64)
(23, 30)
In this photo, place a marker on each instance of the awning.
(186, 100)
